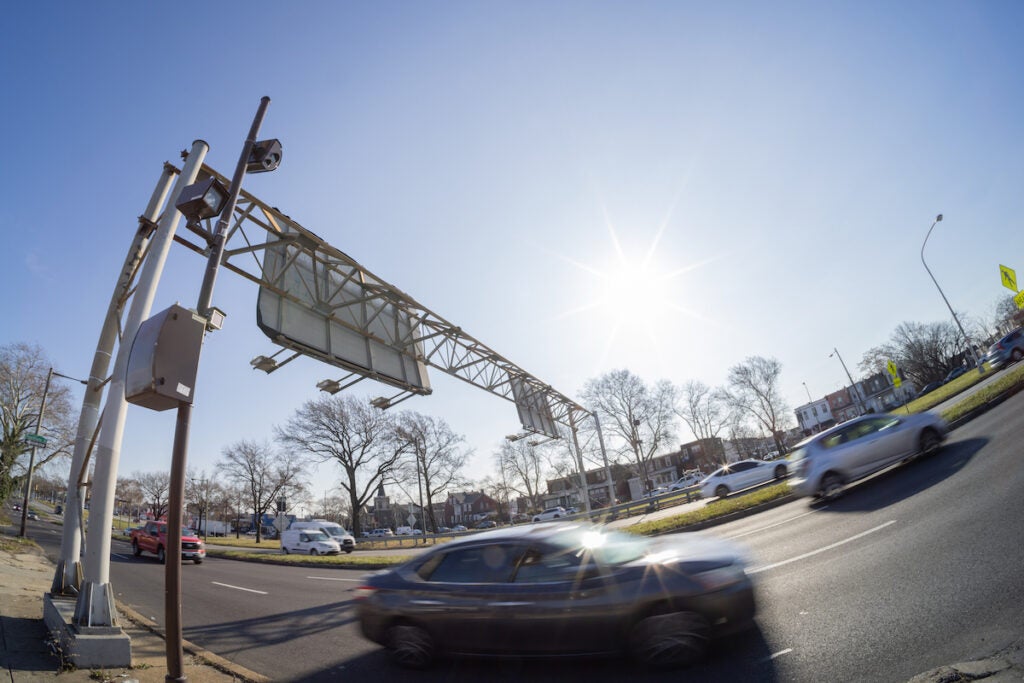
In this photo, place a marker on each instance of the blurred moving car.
(335, 531)
(33, 516)
(740, 475)
(928, 388)
(560, 589)
(549, 514)
(827, 462)
(1009, 349)
(459, 527)
(486, 524)
(308, 542)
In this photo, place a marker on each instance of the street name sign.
(34, 440)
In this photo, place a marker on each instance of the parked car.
(954, 373)
(740, 475)
(443, 530)
(928, 388)
(659, 491)
(404, 531)
(1009, 349)
(549, 514)
(459, 527)
(308, 542)
(560, 589)
(486, 524)
(687, 480)
(381, 533)
(827, 462)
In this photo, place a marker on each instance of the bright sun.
(634, 296)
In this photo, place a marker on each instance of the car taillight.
(363, 592)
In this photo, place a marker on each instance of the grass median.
(1010, 379)
(714, 509)
(366, 562)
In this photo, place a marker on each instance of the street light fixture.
(967, 340)
(202, 200)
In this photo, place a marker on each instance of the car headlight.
(720, 577)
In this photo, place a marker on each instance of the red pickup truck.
(152, 538)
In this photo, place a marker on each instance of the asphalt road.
(918, 567)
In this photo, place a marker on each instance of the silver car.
(1009, 349)
(827, 462)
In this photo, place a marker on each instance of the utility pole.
(32, 454)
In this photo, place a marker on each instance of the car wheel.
(284, 549)
(780, 471)
(670, 640)
(198, 560)
(831, 486)
(1016, 355)
(348, 551)
(536, 519)
(161, 556)
(930, 442)
(722, 491)
(136, 550)
(410, 646)
(313, 552)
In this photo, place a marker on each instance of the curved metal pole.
(967, 340)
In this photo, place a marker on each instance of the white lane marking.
(780, 653)
(238, 588)
(123, 556)
(765, 568)
(331, 578)
(770, 526)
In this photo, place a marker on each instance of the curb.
(216, 661)
(986, 406)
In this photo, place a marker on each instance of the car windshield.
(317, 536)
(334, 530)
(797, 454)
(605, 547)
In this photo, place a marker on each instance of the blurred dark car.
(954, 373)
(560, 589)
(487, 524)
(928, 388)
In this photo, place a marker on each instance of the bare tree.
(924, 352)
(439, 457)
(203, 492)
(23, 370)
(262, 474)
(155, 487)
(1003, 318)
(523, 467)
(754, 389)
(359, 438)
(636, 416)
(706, 412)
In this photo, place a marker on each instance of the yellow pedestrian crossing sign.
(1019, 299)
(894, 372)
(1008, 277)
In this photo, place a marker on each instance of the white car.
(737, 476)
(550, 513)
(308, 542)
(687, 480)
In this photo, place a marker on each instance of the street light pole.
(809, 399)
(967, 340)
(856, 394)
(32, 454)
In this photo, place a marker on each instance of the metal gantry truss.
(429, 339)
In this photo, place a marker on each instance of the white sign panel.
(296, 307)
(534, 409)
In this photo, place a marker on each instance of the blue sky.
(776, 166)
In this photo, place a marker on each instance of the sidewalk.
(25, 651)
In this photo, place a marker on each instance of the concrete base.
(87, 647)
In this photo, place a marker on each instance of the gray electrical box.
(164, 359)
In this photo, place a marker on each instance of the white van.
(308, 542)
(337, 533)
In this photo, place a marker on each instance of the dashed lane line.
(757, 570)
(238, 588)
(332, 578)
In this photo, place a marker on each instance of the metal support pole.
(179, 452)
(856, 393)
(604, 458)
(967, 340)
(67, 578)
(95, 606)
(32, 455)
(579, 461)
